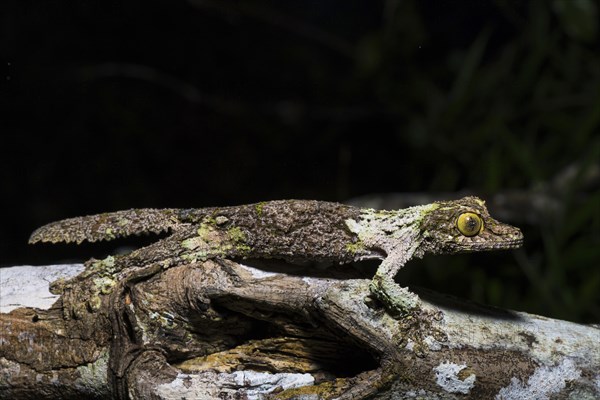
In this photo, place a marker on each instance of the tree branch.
(223, 329)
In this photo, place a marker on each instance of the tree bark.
(222, 329)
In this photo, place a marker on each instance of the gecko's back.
(302, 229)
(306, 229)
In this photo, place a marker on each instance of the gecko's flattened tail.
(106, 226)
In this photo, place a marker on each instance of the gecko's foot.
(398, 301)
(416, 324)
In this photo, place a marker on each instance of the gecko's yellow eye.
(469, 224)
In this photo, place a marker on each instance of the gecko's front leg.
(398, 300)
(394, 236)
(415, 323)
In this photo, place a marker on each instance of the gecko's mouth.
(498, 239)
(485, 242)
(515, 243)
(497, 245)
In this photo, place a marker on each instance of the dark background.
(114, 105)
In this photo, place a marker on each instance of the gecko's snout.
(510, 240)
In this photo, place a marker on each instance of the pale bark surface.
(220, 329)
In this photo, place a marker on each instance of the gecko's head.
(465, 225)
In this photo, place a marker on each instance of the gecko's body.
(298, 230)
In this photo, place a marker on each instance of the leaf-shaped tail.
(107, 226)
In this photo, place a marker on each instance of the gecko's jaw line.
(499, 245)
(510, 244)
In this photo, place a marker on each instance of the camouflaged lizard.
(298, 230)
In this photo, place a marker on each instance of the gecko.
(298, 230)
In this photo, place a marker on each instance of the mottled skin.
(295, 230)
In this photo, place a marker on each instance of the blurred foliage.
(180, 104)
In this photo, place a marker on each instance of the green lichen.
(239, 240)
(206, 228)
(325, 390)
(243, 249)
(94, 303)
(192, 243)
(104, 285)
(106, 266)
(103, 272)
(58, 286)
(110, 235)
(355, 248)
(213, 242)
(94, 376)
(259, 208)
(205, 236)
(236, 234)
(196, 256)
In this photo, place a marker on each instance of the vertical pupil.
(471, 223)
